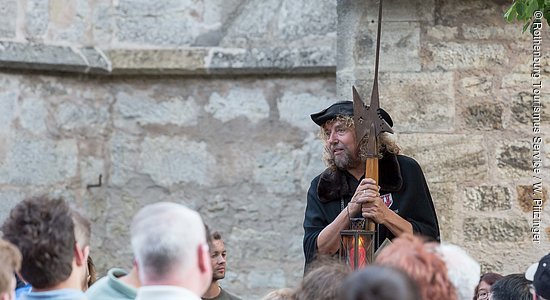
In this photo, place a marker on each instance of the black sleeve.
(419, 209)
(314, 222)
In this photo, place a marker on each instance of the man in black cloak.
(399, 203)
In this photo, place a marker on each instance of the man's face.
(341, 144)
(217, 257)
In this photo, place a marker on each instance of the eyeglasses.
(482, 295)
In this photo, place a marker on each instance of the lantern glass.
(357, 245)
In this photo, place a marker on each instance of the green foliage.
(524, 11)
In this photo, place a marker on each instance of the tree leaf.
(520, 8)
(527, 26)
(532, 6)
(511, 13)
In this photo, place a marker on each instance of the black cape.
(400, 176)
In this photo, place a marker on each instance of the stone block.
(8, 103)
(278, 168)
(252, 24)
(90, 170)
(299, 19)
(487, 198)
(238, 102)
(440, 32)
(395, 11)
(50, 58)
(523, 114)
(82, 118)
(124, 151)
(294, 106)
(272, 60)
(444, 196)
(163, 22)
(494, 32)
(460, 56)
(36, 19)
(417, 101)
(8, 11)
(171, 61)
(96, 61)
(469, 12)
(68, 21)
(177, 160)
(514, 159)
(496, 229)
(521, 110)
(485, 116)
(102, 23)
(142, 109)
(476, 86)
(33, 115)
(399, 51)
(447, 158)
(39, 162)
(526, 196)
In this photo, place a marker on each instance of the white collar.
(168, 292)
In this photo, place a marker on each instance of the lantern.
(357, 244)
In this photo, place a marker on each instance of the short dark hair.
(323, 280)
(43, 230)
(513, 286)
(489, 278)
(379, 282)
(216, 236)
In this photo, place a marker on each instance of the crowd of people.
(46, 243)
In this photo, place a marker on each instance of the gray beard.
(346, 161)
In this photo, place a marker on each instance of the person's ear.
(204, 258)
(81, 255)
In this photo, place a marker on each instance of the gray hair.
(463, 270)
(165, 237)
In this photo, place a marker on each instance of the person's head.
(44, 231)
(483, 288)
(420, 261)
(10, 259)
(170, 247)
(280, 294)
(379, 283)
(539, 274)
(323, 281)
(337, 130)
(513, 286)
(218, 256)
(462, 269)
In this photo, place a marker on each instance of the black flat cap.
(343, 108)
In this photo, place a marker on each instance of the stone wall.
(207, 103)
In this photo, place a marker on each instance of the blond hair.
(11, 263)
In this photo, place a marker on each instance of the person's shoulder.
(407, 161)
(227, 295)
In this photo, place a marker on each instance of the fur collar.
(333, 184)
